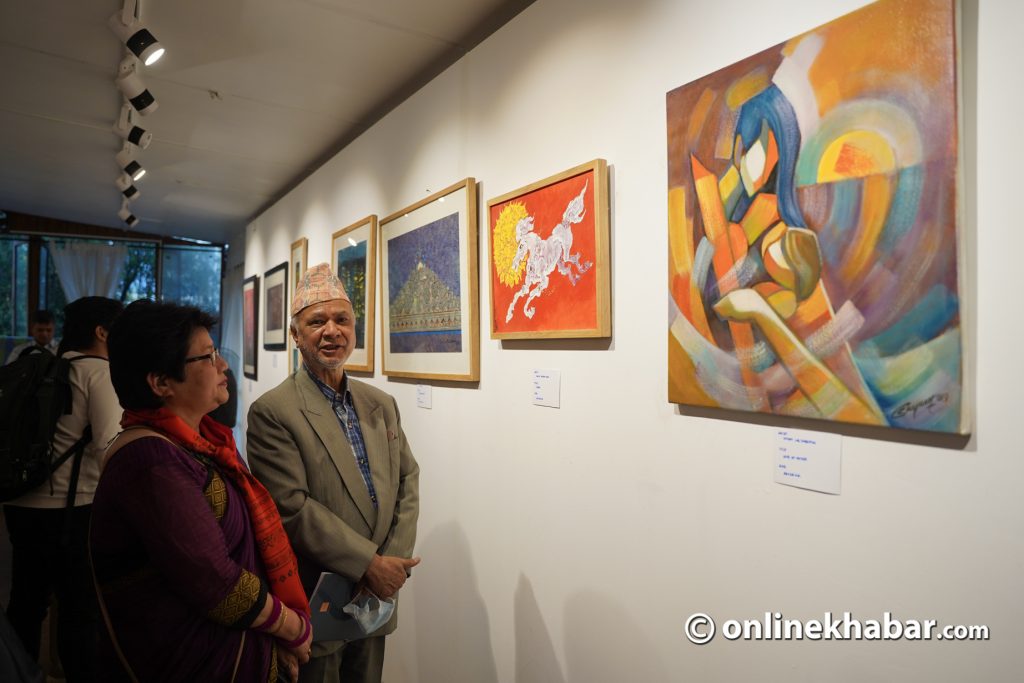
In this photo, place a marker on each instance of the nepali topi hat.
(318, 284)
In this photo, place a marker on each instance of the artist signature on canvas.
(932, 404)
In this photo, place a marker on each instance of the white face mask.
(369, 611)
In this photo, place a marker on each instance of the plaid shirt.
(341, 404)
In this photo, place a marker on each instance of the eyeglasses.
(212, 357)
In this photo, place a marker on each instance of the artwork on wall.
(354, 260)
(298, 261)
(813, 203)
(275, 320)
(549, 257)
(250, 324)
(429, 321)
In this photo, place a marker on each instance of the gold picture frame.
(552, 238)
(354, 261)
(430, 326)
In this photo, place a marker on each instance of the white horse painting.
(545, 255)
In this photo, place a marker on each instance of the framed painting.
(354, 260)
(275, 322)
(298, 261)
(549, 264)
(429, 322)
(250, 324)
(814, 236)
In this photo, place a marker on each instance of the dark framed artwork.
(275, 321)
(250, 324)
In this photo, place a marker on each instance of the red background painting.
(561, 306)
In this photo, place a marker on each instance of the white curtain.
(87, 268)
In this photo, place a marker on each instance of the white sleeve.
(104, 408)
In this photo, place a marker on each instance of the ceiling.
(253, 96)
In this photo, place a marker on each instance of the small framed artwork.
(549, 265)
(275, 289)
(354, 260)
(428, 273)
(298, 261)
(250, 324)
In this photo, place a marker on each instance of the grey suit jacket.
(297, 449)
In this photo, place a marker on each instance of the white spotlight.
(133, 88)
(126, 128)
(128, 189)
(136, 37)
(126, 160)
(126, 215)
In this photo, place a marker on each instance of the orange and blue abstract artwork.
(813, 226)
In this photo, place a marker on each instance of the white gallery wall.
(571, 544)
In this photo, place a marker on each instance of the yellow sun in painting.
(504, 245)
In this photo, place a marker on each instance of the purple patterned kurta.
(178, 567)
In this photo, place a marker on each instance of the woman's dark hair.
(82, 316)
(151, 337)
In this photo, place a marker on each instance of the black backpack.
(35, 390)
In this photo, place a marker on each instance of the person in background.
(49, 537)
(332, 452)
(41, 329)
(196, 578)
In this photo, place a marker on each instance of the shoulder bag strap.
(106, 616)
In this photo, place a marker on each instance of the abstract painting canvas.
(814, 233)
(429, 321)
(354, 254)
(250, 325)
(549, 257)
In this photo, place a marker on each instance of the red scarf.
(215, 441)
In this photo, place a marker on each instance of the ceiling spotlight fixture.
(126, 160)
(133, 88)
(126, 214)
(126, 128)
(127, 187)
(136, 37)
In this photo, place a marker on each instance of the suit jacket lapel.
(375, 434)
(325, 423)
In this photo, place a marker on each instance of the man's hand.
(386, 574)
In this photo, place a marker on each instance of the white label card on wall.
(273, 360)
(809, 460)
(423, 396)
(546, 388)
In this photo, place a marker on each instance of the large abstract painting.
(429, 321)
(813, 226)
(549, 257)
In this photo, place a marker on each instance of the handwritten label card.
(808, 460)
(546, 388)
(423, 396)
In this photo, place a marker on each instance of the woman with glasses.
(196, 579)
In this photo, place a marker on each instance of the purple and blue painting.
(425, 310)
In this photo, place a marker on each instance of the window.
(13, 287)
(189, 275)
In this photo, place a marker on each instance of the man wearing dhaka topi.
(332, 453)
